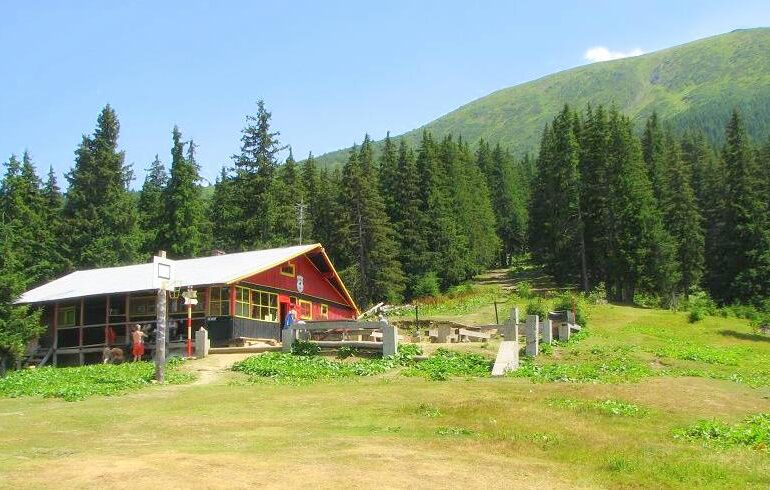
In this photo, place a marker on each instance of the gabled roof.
(219, 269)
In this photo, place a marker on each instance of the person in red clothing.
(137, 337)
(111, 336)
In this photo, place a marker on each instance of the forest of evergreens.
(659, 214)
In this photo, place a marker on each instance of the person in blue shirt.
(291, 317)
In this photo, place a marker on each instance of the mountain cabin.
(240, 295)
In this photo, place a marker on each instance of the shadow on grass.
(754, 337)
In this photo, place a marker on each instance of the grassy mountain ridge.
(694, 84)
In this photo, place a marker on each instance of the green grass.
(618, 408)
(604, 407)
(78, 383)
(696, 84)
(753, 432)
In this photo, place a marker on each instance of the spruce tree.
(152, 212)
(18, 324)
(100, 218)
(310, 180)
(373, 249)
(33, 224)
(224, 214)
(388, 176)
(595, 194)
(254, 169)
(186, 233)
(507, 200)
(653, 151)
(743, 244)
(644, 254)
(440, 229)
(556, 226)
(682, 216)
(286, 193)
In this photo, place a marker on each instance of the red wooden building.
(239, 295)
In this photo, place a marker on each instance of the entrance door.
(283, 310)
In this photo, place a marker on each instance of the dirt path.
(212, 368)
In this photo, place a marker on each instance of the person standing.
(291, 317)
(137, 337)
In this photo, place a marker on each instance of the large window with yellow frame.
(219, 301)
(256, 304)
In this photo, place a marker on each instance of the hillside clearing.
(399, 431)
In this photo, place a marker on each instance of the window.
(305, 310)
(255, 304)
(219, 301)
(288, 269)
(142, 306)
(66, 317)
(325, 311)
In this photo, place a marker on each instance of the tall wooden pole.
(160, 335)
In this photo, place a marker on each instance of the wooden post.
(127, 328)
(497, 319)
(232, 301)
(55, 332)
(160, 335)
(107, 321)
(81, 359)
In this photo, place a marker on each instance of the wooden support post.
(81, 359)
(160, 335)
(55, 332)
(107, 322)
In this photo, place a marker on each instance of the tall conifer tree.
(152, 212)
(185, 228)
(99, 213)
(743, 244)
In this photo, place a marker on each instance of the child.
(137, 336)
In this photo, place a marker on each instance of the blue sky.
(329, 71)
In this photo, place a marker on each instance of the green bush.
(538, 307)
(77, 383)
(346, 351)
(696, 315)
(598, 295)
(618, 369)
(569, 301)
(426, 285)
(305, 348)
(524, 289)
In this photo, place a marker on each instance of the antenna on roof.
(301, 216)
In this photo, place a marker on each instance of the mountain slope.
(695, 84)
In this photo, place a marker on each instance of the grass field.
(388, 430)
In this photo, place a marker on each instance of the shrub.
(305, 348)
(524, 289)
(700, 300)
(346, 351)
(568, 301)
(696, 315)
(538, 307)
(598, 295)
(426, 285)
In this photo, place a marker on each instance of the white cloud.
(601, 53)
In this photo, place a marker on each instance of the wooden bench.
(377, 337)
(466, 335)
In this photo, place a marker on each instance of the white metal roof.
(219, 269)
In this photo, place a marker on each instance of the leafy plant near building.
(78, 383)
